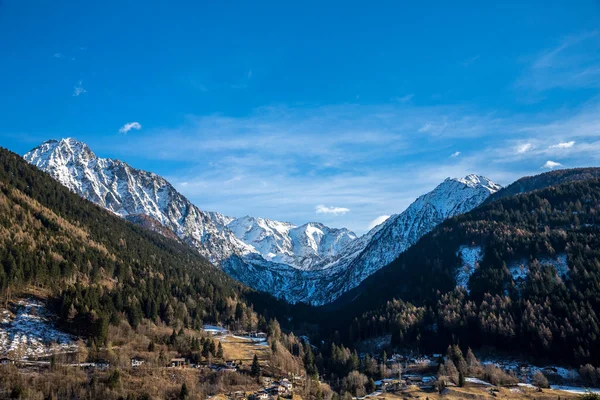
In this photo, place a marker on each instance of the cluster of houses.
(96, 364)
(273, 389)
(419, 361)
(393, 385)
(181, 362)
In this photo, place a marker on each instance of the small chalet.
(277, 390)
(101, 364)
(413, 379)
(136, 362)
(286, 384)
(178, 362)
(239, 395)
(261, 396)
(267, 380)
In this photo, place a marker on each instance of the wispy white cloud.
(405, 99)
(455, 154)
(468, 62)
(563, 145)
(79, 90)
(377, 221)
(425, 128)
(573, 63)
(279, 162)
(523, 148)
(551, 164)
(129, 126)
(61, 55)
(321, 209)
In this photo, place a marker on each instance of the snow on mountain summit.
(127, 191)
(336, 274)
(282, 242)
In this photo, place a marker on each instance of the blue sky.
(339, 112)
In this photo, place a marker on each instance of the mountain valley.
(311, 263)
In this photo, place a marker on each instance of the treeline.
(550, 313)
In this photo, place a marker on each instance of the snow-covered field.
(574, 389)
(258, 341)
(30, 333)
(478, 381)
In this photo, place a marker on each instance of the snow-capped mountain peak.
(473, 180)
(312, 263)
(282, 242)
(127, 191)
(332, 276)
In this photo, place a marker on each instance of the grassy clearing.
(243, 349)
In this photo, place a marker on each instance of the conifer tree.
(255, 369)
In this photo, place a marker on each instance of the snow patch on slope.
(519, 269)
(470, 257)
(30, 333)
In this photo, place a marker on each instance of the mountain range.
(310, 263)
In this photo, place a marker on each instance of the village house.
(421, 360)
(277, 390)
(239, 395)
(260, 396)
(286, 384)
(267, 380)
(136, 362)
(256, 334)
(178, 362)
(101, 364)
(413, 379)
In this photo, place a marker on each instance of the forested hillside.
(519, 296)
(100, 268)
(542, 181)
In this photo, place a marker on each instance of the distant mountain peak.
(325, 281)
